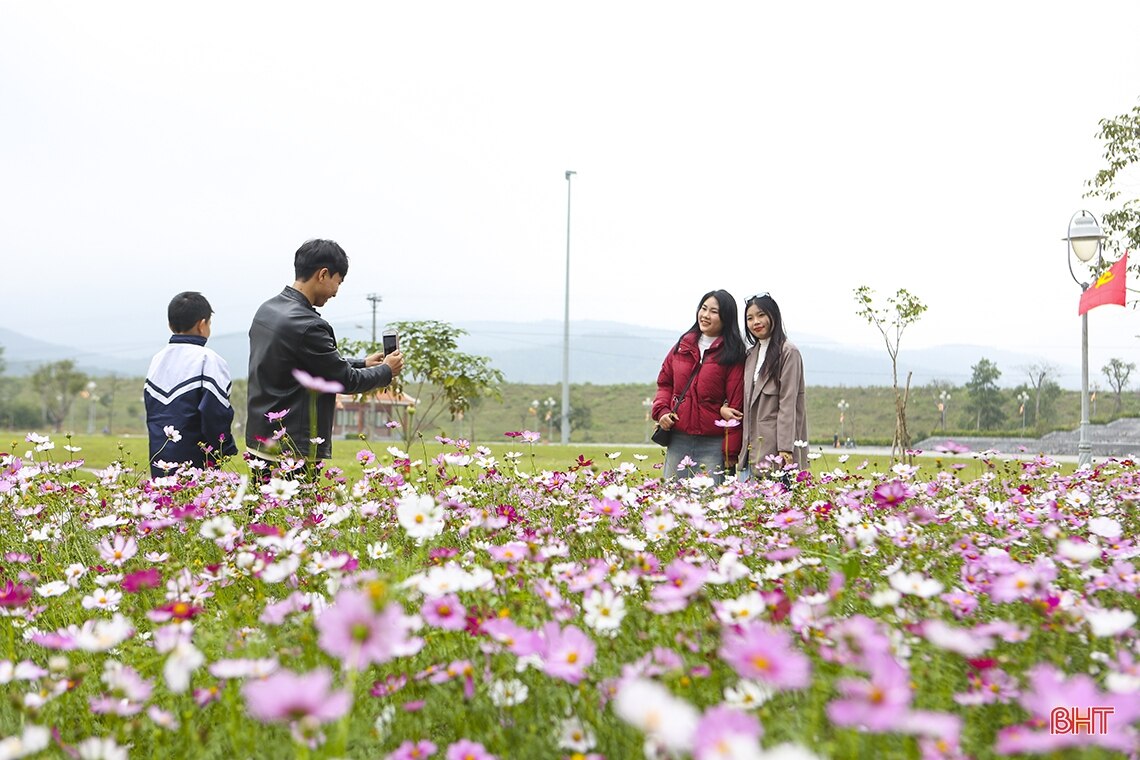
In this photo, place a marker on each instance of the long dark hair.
(732, 352)
(768, 305)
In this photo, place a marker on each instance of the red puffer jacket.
(713, 385)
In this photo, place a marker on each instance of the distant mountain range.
(602, 353)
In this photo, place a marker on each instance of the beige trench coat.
(775, 413)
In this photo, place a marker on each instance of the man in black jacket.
(288, 334)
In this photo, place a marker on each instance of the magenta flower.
(566, 653)
(286, 696)
(465, 749)
(766, 654)
(274, 416)
(445, 612)
(354, 631)
(134, 582)
(316, 384)
(893, 494)
(14, 595)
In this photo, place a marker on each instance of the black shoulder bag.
(662, 436)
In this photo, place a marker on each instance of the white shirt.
(761, 352)
(703, 343)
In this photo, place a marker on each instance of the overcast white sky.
(801, 148)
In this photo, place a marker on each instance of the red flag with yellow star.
(1108, 288)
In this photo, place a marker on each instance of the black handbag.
(661, 436)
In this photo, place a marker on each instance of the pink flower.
(316, 384)
(766, 654)
(682, 580)
(727, 423)
(445, 612)
(879, 704)
(1049, 690)
(274, 416)
(893, 494)
(287, 696)
(410, 750)
(118, 549)
(721, 729)
(465, 749)
(566, 653)
(353, 630)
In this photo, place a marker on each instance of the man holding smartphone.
(288, 334)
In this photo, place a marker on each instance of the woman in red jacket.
(709, 360)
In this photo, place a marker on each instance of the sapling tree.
(58, 384)
(901, 310)
(441, 378)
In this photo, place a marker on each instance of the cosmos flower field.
(473, 606)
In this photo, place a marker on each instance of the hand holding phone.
(391, 340)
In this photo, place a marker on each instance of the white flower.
(742, 609)
(172, 433)
(575, 736)
(887, 597)
(379, 550)
(419, 516)
(282, 490)
(916, 584)
(1108, 623)
(33, 740)
(604, 610)
(508, 693)
(747, 695)
(1078, 551)
(54, 588)
(184, 659)
(652, 709)
(102, 599)
(1105, 527)
(958, 640)
(96, 748)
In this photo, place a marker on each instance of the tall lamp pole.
(566, 327)
(1083, 241)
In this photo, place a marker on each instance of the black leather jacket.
(287, 333)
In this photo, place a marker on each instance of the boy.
(187, 392)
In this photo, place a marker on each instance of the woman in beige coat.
(774, 415)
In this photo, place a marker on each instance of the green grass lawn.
(98, 451)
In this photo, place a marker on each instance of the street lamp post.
(842, 406)
(1083, 242)
(566, 327)
(1023, 397)
(943, 399)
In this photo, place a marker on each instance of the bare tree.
(902, 309)
(1118, 371)
(1039, 377)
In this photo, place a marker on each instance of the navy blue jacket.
(188, 387)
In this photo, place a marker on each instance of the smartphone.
(391, 340)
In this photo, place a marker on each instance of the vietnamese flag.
(1108, 288)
